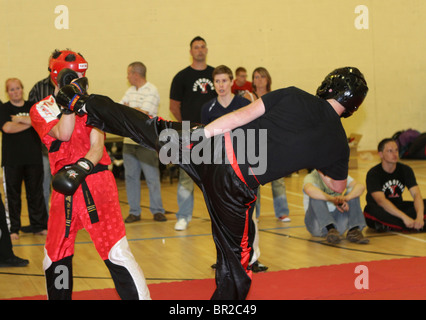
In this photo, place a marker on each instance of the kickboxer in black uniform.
(289, 129)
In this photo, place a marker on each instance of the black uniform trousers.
(229, 200)
(379, 219)
(6, 250)
(32, 176)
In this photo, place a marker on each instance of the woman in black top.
(21, 161)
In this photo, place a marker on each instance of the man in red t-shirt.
(241, 85)
(77, 151)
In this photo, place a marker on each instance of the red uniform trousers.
(108, 235)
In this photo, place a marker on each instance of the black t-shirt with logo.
(392, 184)
(302, 131)
(193, 88)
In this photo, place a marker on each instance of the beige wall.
(298, 41)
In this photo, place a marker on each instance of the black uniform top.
(192, 88)
(300, 131)
(392, 184)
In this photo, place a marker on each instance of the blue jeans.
(280, 199)
(185, 196)
(318, 216)
(137, 158)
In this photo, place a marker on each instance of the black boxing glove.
(82, 84)
(68, 179)
(67, 76)
(71, 98)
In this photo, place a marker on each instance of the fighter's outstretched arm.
(235, 119)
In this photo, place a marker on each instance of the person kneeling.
(329, 214)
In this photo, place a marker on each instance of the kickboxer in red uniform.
(302, 131)
(85, 193)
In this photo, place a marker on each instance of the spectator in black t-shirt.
(21, 162)
(386, 209)
(7, 257)
(190, 89)
(292, 128)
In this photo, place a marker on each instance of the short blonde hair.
(13, 79)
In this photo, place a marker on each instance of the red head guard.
(66, 59)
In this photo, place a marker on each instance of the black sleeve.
(4, 115)
(373, 181)
(177, 88)
(410, 178)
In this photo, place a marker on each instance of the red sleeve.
(44, 116)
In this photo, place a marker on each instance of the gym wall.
(298, 41)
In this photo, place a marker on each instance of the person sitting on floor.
(329, 214)
(386, 209)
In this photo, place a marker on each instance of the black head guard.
(347, 86)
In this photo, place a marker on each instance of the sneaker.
(159, 217)
(258, 267)
(181, 225)
(378, 227)
(333, 236)
(132, 218)
(356, 236)
(14, 262)
(284, 219)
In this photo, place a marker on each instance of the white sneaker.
(181, 225)
(284, 219)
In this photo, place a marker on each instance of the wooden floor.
(168, 255)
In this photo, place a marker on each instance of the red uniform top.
(44, 116)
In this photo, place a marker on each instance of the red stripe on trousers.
(369, 216)
(245, 254)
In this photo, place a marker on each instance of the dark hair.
(69, 58)
(197, 38)
(240, 69)
(382, 144)
(56, 53)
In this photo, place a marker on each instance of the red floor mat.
(401, 279)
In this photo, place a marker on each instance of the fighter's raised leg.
(116, 118)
